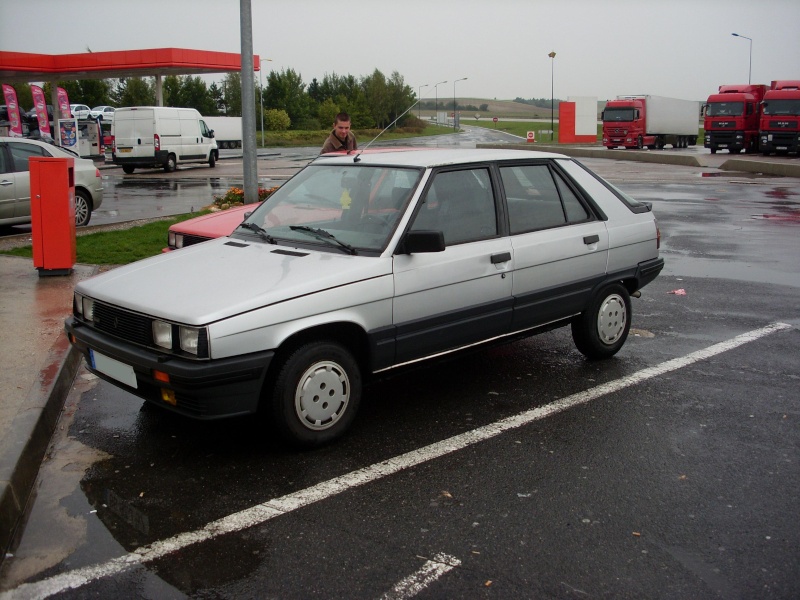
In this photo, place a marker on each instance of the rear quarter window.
(607, 196)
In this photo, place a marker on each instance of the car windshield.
(337, 207)
(620, 115)
(787, 107)
(725, 109)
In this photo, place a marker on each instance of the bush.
(235, 197)
(276, 120)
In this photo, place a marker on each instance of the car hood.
(221, 278)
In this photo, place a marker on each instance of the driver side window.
(461, 205)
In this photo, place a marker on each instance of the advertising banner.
(68, 134)
(63, 103)
(41, 111)
(10, 94)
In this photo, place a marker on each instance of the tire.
(639, 143)
(127, 169)
(83, 208)
(212, 160)
(713, 150)
(171, 164)
(316, 394)
(601, 330)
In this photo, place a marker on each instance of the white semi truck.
(227, 131)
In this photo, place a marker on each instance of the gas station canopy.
(23, 67)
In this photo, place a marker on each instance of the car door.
(8, 185)
(450, 299)
(20, 152)
(560, 245)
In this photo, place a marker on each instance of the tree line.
(373, 101)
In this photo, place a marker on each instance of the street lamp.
(261, 96)
(436, 105)
(455, 107)
(419, 101)
(552, 56)
(750, 70)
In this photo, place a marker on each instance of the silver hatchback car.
(363, 263)
(15, 180)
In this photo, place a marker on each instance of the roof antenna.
(357, 157)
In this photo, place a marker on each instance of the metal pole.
(455, 106)
(419, 101)
(436, 105)
(552, 56)
(250, 153)
(750, 68)
(261, 97)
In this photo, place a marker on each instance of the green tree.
(276, 120)
(135, 91)
(232, 94)
(327, 112)
(285, 90)
(377, 96)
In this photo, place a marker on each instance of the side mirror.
(416, 242)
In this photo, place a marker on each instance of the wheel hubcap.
(322, 395)
(611, 319)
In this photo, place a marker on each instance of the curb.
(25, 447)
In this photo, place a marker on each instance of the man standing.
(341, 138)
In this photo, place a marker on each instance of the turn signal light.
(161, 376)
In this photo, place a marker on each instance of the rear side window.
(538, 198)
(20, 153)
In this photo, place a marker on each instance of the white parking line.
(419, 580)
(261, 513)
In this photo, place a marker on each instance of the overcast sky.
(678, 48)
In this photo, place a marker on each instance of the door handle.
(6, 182)
(591, 239)
(501, 258)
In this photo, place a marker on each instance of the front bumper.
(202, 389)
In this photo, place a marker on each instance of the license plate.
(781, 147)
(723, 145)
(113, 368)
(123, 150)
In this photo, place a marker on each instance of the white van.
(161, 136)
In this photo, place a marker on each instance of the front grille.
(723, 125)
(191, 240)
(138, 329)
(128, 326)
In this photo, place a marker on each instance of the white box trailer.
(227, 131)
(161, 136)
(672, 116)
(652, 121)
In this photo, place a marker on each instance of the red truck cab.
(780, 118)
(732, 118)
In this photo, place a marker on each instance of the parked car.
(79, 111)
(15, 185)
(206, 227)
(33, 119)
(105, 113)
(364, 263)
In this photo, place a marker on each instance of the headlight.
(190, 338)
(175, 240)
(162, 334)
(84, 307)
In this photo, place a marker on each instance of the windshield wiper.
(260, 231)
(325, 236)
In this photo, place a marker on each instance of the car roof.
(431, 157)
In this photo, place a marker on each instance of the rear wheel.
(601, 330)
(171, 164)
(316, 393)
(83, 208)
(127, 169)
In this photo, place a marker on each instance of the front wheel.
(639, 143)
(212, 160)
(316, 394)
(83, 208)
(601, 330)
